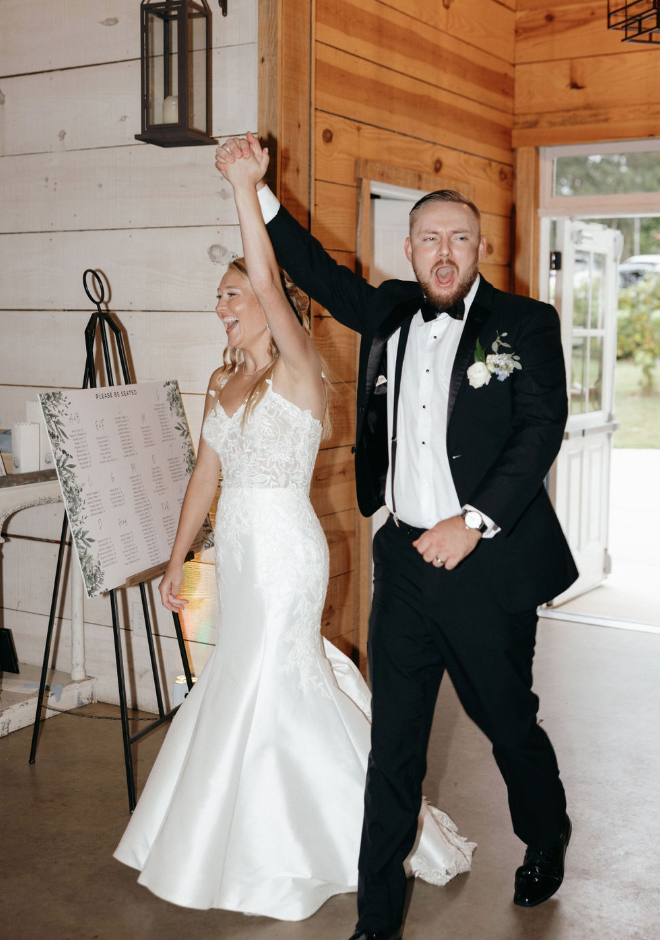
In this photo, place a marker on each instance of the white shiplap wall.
(77, 191)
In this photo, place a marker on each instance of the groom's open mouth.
(229, 323)
(444, 275)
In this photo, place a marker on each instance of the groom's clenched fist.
(447, 543)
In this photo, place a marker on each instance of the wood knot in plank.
(437, 166)
(327, 136)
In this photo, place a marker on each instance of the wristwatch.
(474, 520)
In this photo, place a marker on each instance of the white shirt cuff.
(270, 204)
(492, 529)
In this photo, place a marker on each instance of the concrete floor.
(599, 688)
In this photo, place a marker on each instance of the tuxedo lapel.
(477, 317)
(390, 325)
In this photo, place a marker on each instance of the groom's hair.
(443, 195)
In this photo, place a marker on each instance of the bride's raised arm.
(243, 163)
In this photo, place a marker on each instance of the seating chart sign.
(123, 456)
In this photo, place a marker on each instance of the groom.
(461, 406)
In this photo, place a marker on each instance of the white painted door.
(584, 288)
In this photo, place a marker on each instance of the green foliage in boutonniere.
(499, 364)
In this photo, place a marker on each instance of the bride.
(255, 801)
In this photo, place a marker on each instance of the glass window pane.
(641, 236)
(163, 73)
(155, 65)
(595, 400)
(581, 282)
(197, 26)
(578, 390)
(171, 102)
(608, 173)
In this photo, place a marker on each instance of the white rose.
(478, 374)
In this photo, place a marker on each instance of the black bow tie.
(430, 312)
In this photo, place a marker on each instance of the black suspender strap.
(400, 352)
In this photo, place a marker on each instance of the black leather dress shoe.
(542, 871)
(378, 935)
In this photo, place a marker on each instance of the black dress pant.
(425, 620)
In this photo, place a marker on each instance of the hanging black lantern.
(639, 20)
(176, 72)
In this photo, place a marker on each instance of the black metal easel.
(101, 319)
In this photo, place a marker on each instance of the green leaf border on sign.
(55, 406)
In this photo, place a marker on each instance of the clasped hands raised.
(242, 160)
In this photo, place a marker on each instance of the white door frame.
(572, 208)
(581, 474)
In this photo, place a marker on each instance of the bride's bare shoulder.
(218, 380)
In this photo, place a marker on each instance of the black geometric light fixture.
(176, 72)
(639, 20)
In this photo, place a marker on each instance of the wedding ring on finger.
(439, 562)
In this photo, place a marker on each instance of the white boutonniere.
(381, 380)
(500, 364)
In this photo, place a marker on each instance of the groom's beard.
(447, 298)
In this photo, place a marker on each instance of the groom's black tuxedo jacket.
(502, 438)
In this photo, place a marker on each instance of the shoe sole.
(548, 896)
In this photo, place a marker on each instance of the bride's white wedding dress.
(255, 801)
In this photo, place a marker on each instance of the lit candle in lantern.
(171, 110)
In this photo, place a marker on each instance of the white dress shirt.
(424, 487)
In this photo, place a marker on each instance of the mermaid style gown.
(255, 801)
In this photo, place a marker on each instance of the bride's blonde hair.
(232, 357)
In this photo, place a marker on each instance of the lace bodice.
(276, 448)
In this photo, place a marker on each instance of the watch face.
(473, 519)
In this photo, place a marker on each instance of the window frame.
(594, 206)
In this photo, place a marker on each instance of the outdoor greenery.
(639, 328)
(639, 416)
(605, 174)
(600, 174)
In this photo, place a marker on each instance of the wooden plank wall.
(286, 78)
(430, 90)
(576, 82)
(77, 190)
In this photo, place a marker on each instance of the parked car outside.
(636, 267)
